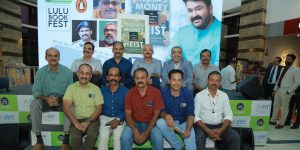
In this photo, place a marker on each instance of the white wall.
(280, 10)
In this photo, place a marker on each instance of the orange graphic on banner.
(81, 6)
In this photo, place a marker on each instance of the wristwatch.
(90, 120)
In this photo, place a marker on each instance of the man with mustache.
(213, 115)
(50, 84)
(202, 69)
(85, 32)
(107, 9)
(120, 62)
(152, 65)
(284, 89)
(228, 76)
(142, 108)
(177, 62)
(88, 51)
(204, 32)
(83, 105)
(178, 113)
(110, 35)
(113, 115)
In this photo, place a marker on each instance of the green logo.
(241, 107)
(8, 103)
(259, 123)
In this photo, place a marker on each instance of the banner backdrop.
(66, 24)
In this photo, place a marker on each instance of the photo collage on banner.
(68, 24)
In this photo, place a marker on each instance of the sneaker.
(38, 146)
(279, 126)
(65, 147)
(294, 126)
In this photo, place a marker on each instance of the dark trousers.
(267, 93)
(90, 136)
(294, 103)
(229, 136)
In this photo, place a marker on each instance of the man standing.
(50, 84)
(152, 65)
(178, 113)
(228, 76)
(86, 100)
(270, 79)
(85, 32)
(120, 62)
(88, 51)
(202, 69)
(178, 63)
(107, 9)
(112, 118)
(110, 35)
(142, 108)
(204, 32)
(213, 115)
(284, 89)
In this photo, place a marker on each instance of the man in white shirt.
(228, 76)
(213, 115)
(88, 51)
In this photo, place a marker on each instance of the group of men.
(280, 84)
(130, 104)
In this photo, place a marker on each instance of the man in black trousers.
(270, 79)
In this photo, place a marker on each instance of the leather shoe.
(65, 147)
(287, 123)
(279, 126)
(272, 123)
(38, 146)
(294, 127)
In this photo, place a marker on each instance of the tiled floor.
(282, 139)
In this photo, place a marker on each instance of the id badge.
(149, 103)
(91, 95)
(183, 105)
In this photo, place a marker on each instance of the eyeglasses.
(110, 30)
(107, 2)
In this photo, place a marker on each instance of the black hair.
(292, 56)
(174, 71)
(107, 70)
(93, 46)
(140, 69)
(214, 73)
(207, 2)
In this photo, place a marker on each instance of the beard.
(109, 40)
(205, 21)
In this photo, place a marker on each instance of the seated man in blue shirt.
(178, 63)
(113, 115)
(120, 62)
(178, 113)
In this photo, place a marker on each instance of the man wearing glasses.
(110, 35)
(107, 9)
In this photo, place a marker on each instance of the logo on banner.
(260, 122)
(81, 6)
(60, 137)
(58, 17)
(261, 108)
(241, 121)
(240, 106)
(4, 101)
(29, 118)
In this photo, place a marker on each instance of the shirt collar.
(58, 69)
(78, 85)
(207, 92)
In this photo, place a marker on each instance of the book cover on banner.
(158, 12)
(133, 31)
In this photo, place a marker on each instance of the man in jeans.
(178, 113)
(86, 100)
(142, 108)
(50, 84)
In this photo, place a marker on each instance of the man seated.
(50, 84)
(86, 100)
(113, 115)
(213, 115)
(142, 107)
(178, 63)
(178, 114)
(88, 51)
(152, 65)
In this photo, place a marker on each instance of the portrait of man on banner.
(108, 9)
(107, 33)
(82, 32)
(203, 32)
